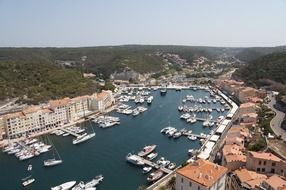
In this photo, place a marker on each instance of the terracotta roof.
(102, 95)
(203, 172)
(247, 105)
(232, 158)
(81, 98)
(13, 115)
(31, 109)
(254, 115)
(249, 89)
(61, 102)
(249, 177)
(276, 182)
(232, 149)
(265, 156)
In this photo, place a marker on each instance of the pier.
(70, 132)
(152, 164)
(196, 135)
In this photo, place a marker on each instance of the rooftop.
(247, 105)
(249, 177)
(60, 102)
(203, 172)
(264, 156)
(276, 182)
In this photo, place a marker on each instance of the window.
(281, 171)
(263, 169)
(190, 184)
(264, 163)
(272, 170)
(199, 187)
(258, 169)
(259, 163)
(182, 180)
(273, 164)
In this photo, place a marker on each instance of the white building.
(201, 175)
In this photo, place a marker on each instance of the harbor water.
(105, 153)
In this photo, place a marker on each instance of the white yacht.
(83, 138)
(152, 156)
(192, 137)
(150, 99)
(134, 159)
(27, 181)
(64, 186)
(146, 170)
(52, 162)
(94, 182)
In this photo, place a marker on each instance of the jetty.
(196, 135)
(154, 165)
(70, 132)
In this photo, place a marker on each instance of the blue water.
(105, 154)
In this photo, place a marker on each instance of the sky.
(77, 23)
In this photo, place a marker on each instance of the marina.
(107, 152)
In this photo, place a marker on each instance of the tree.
(143, 187)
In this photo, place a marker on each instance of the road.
(277, 120)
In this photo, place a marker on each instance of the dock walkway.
(70, 132)
(152, 164)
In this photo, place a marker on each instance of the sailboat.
(53, 161)
(28, 180)
(84, 137)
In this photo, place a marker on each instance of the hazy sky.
(116, 22)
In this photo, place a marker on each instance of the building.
(34, 119)
(201, 175)
(233, 157)
(248, 119)
(243, 179)
(274, 182)
(266, 163)
(246, 93)
(102, 101)
(247, 108)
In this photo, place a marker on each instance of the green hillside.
(272, 67)
(38, 81)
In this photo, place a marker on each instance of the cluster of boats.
(173, 132)
(190, 118)
(106, 121)
(127, 110)
(27, 149)
(144, 157)
(73, 129)
(90, 185)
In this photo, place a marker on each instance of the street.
(275, 123)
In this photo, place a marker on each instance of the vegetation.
(258, 145)
(142, 187)
(38, 80)
(271, 67)
(265, 115)
(172, 183)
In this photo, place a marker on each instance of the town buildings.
(201, 175)
(34, 119)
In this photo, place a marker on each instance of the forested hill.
(38, 80)
(270, 67)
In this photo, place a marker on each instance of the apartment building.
(246, 108)
(233, 157)
(266, 163)
(246, 93)
(243, 179)
(201, 175)
(55, 113)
